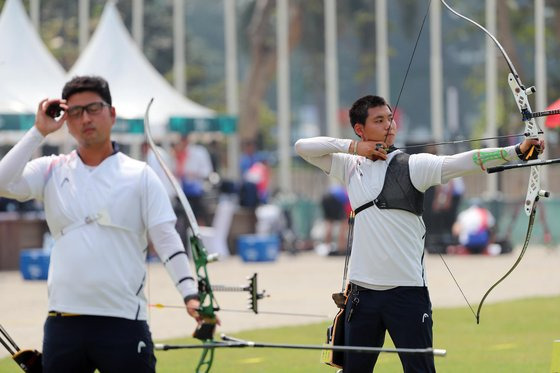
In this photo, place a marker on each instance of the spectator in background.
(474, 229)
(336, 210)
(151, 159)
(12, 205)
(443, 204)
(192, 167)
(254, 176)
(248, 156)
(215, 155)
(259, 174)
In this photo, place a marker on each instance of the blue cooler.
(258, 248)
(34, 264)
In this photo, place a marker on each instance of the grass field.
(513, 336)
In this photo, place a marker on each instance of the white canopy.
(28, 71)
(112, 54)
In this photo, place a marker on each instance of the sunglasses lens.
(75, 111)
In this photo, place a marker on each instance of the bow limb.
(520, 93)
(500, 47)
(525, 245)
(179, 191)
(196, 250)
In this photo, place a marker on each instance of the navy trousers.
(405, 312)
(81, 344)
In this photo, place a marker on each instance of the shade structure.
(113, 54)
(28, 71)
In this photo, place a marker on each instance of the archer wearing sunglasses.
(92, 109)
(100, 206)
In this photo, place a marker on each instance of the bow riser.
(532, 131)
(208, 303)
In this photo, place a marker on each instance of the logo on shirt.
(64, 181)
(425, 316)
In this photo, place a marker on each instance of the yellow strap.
(62, 314)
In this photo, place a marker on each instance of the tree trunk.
(506, 36)
(261, 33)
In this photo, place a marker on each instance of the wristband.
(518, 151)
(191, 296)
(355, 147)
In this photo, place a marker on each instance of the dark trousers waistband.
(354, 288)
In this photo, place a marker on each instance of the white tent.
(28, 72)
(112, 54)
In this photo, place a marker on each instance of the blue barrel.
(34, 264)
(258, 248)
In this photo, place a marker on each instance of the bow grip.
(205, 330)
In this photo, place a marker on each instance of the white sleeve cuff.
(170, 250)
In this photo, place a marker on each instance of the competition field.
(519, 321)
(515, 337)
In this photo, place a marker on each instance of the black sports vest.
(398, 191)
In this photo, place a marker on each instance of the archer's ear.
(113, 113)
(359, 129)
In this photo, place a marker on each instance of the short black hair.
(359, 110)
(87, 83)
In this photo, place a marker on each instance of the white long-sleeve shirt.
(388, 245)
(97, 268)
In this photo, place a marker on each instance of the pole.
(232, 85)
(382, 49)
(83, 31)
(138, 22)
(179, 47)
(491, 91)
(283, 83)
(436, 72)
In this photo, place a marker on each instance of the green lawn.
(513, 336)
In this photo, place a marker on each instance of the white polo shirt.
(96, 268)
(388, 244)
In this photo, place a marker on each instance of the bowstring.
(410, 61)
(387, 134)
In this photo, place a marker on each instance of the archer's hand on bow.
(45, 121)
(373, 150)
(193, 305)
(531, 148)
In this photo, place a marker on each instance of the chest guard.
(398, 191)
